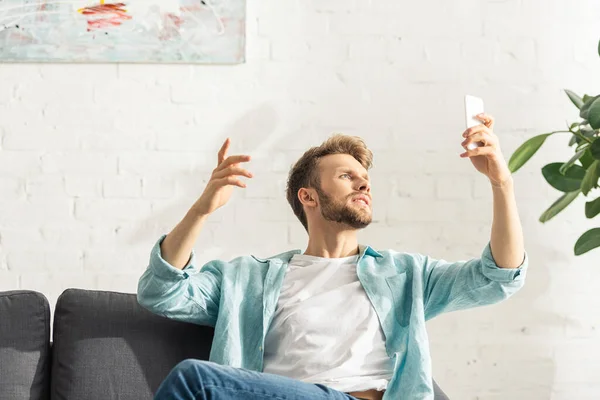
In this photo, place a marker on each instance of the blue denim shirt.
(238, 298)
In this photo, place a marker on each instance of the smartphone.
(473, 107)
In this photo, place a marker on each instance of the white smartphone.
(473, 107)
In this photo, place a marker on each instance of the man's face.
(345, 192)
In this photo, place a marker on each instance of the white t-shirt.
(325, 329)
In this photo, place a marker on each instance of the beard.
(339, 211)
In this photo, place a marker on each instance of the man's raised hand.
(224, 177)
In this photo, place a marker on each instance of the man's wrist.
(197, 214)
(507, 183)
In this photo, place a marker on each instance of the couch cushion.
(24, 345)
(106, 346)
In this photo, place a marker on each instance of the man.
(341, 320)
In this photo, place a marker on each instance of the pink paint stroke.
(105, 15)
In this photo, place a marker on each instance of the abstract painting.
(159, 31)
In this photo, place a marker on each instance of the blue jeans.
(205, 380)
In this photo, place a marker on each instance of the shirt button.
(260, 348)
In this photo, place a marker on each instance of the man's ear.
(307, 197)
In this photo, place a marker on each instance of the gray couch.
(105, 346)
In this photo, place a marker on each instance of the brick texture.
(96, 161)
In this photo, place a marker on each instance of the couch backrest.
(106, 346)
(24, 345)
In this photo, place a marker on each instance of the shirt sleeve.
(452, 286)
(190, 295)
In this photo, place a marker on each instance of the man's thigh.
(196, 379)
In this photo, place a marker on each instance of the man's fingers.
(223, 152)
(478, 151)
(232, 160)
(478, 137)
(230, 180)
(475, 129)
(487, 120)
(232, 171)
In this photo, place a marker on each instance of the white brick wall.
(96, 161)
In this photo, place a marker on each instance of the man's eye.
(346, 175)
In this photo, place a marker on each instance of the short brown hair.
(304, 174)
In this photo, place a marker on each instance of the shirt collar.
(368, 250)
(287, 256)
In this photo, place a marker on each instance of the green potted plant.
(577, 176)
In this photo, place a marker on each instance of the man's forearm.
(178, 244)
(507, 244)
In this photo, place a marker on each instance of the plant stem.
(578, 134)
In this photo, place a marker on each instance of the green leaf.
(574, 139)
(559, 205)
(595, 149)
(588, 241)
(594, 114)
(592, 208)
(582, 146)
(568, 164)
(586, 160)
(590, 180)
(587, 103)
(569, 182)
(587, 132)
(584, 130)
(574, 98)
(526, 151)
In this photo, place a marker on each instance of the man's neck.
(329, 242)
